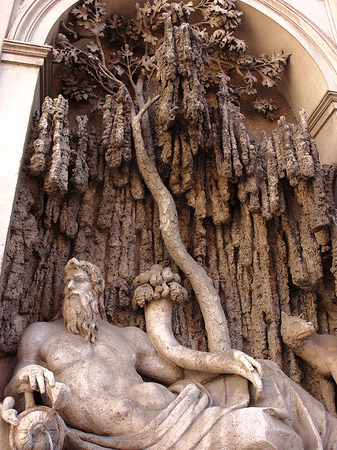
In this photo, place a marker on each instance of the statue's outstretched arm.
(155, 290)
(149, 362)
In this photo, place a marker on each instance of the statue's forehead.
(75, 271)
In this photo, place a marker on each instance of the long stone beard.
(80, 319)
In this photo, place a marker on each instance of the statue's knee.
(255, 429)
(269, 365)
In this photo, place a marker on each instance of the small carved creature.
(318, 350)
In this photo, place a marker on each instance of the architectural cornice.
(324, 110)
(24, 53)
(30, 55)
(36, 18)
(331, 9)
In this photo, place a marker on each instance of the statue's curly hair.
(96, 279)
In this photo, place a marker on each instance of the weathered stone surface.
(109, 405)
(259, 217)
(263, 236)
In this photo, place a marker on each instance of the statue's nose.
(71, 284)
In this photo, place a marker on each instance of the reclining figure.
(110, 405)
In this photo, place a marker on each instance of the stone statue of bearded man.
(83, 304)
(112, 405)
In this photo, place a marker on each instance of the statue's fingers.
(23, 377)
(8, 403)
(259, 370)
(257, 383)
(32, 380)
(245, 370)
(244, 359)
(255, 379)
(49, 376)
(9, 414)
(41, 383)
(257, 366)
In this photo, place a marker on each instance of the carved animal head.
(295, 331)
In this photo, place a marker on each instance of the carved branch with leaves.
(127, 51)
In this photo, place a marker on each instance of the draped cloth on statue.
(285, 418)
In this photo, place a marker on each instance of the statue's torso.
(108, 395)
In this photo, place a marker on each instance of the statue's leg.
(250, 429)
(256, 429)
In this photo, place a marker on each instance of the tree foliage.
(102, 53)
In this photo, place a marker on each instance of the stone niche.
(256, 210)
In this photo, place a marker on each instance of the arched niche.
(310, 82)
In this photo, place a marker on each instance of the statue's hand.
(34, 378)
(9, 414)
(250, 369)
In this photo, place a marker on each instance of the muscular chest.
(64, 350)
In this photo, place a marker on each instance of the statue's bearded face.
(80, 306)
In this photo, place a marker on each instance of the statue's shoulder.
(39, 331)
(109, 327)
(133, 335)
(133, 332)
(139, 340)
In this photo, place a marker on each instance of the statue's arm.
(149, 362)
(29, 372)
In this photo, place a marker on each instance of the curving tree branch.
(207, 296)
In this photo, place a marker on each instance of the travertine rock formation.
(259, 217)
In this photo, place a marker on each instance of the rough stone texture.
(89, 370)
(259, 217)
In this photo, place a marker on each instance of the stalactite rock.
(236, 200)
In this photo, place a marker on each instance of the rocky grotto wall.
(258, 216)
